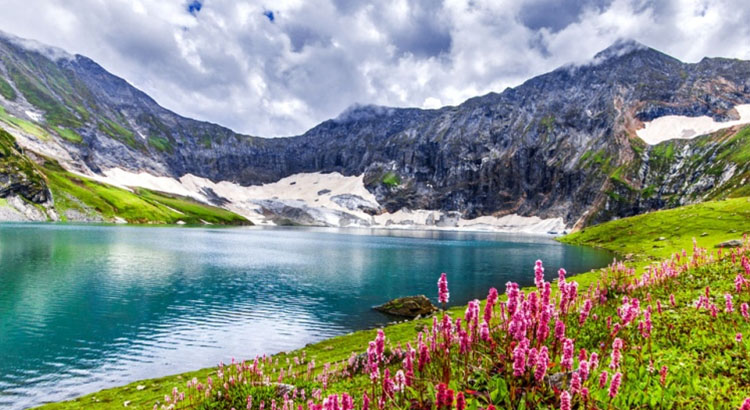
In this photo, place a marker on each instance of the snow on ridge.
(671, 127)
(315, 193)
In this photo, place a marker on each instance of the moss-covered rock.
(410, 306)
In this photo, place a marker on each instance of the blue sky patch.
(194, 7)
(269, 15)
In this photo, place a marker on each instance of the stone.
(734, 243)
(410, 306)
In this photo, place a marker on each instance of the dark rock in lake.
(410, 306)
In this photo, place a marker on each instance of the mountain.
(562, 145)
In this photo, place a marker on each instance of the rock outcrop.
(410, 306)
(562, 144)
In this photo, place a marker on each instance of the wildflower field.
(670, 334)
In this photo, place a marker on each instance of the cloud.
(280, 67)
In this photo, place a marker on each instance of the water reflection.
(88, 307)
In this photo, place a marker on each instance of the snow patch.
(321, 199)
(34, 116)
(671, 127)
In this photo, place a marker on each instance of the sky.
(279, 67)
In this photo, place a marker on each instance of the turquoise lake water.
(87, 307)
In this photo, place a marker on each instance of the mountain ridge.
(561, 144)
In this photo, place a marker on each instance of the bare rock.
(410, 306)
(734, 243)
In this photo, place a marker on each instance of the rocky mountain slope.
(561, 145)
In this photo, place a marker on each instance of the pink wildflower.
(575, 383)
(585, 311)
(614, 385)
(744, 311)
(567, 356)
(745, 404)
(365, 402)
(539, 275)
(443, 294)
(594, 362)
(663, 375)
(728, 306)
(671, 300)
(541, 364)
(616, 354)
(460, 401)
(603, 379)
(559, 330)
(738, 338)
(484, 332)
(739, 282)
(491, 300)
(519, 360)
(399, 381)
(380, 344)
(565, 401)
(583, 369)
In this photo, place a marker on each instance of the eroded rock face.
(562, 144)
(18, 176)
(410, 306)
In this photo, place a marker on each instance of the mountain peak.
(619, 48)
(53, 53)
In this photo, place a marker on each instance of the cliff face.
(560, 145)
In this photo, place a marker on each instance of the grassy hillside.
(672, 353)
(658, 234)
(88, 197)
(79, 198)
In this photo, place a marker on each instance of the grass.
(140, 206)
(7, 91)
(69, 134)
(118, 132)
(26, 126)
(391, 179)
(701, 364)
(161, 144)
(640, 236)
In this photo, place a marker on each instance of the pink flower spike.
(603, 379)
(663, 375)
(614, 385)
(565, 401)
(745, 404)
(738, 338)
(539, 275)
(443, 294)
(728, 306)
(567, 357)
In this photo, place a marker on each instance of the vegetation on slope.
(682, 340)
(89, 197)
(76, 197)
(661, 233)
(18, 174)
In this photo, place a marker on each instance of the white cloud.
(230, 64)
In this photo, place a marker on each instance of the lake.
(85, 307)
